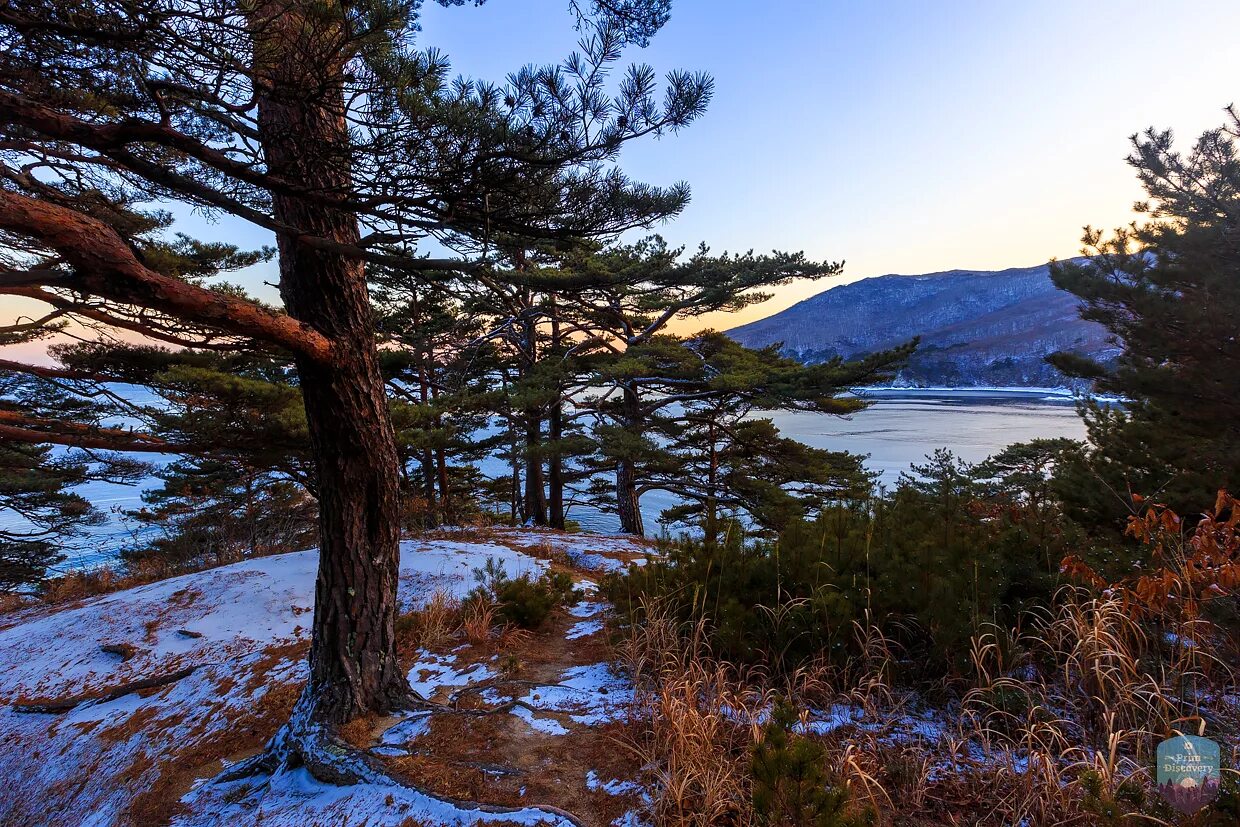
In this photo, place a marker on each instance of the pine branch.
(106, 266)
(20, 427)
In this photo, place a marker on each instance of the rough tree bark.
(627, 506)
(626, 499)
(535, 492)
(555, 433)
(353, 664)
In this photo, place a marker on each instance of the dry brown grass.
(1059, 725)
(78, 585)
(1056, 725)
(428, 627)
(146, 568)
(11, 602)
(82, 584)
(477, 620)
(693, 724)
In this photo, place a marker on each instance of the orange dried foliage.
(1188, 567)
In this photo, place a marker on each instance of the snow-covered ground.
(602, 554)
(120, 709)
(207, 617)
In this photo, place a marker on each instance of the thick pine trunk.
(353, 664)
(555, 467)
(627, 506)
(535, 492)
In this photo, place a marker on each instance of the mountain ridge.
(977, 327)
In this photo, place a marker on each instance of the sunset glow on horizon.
(912, 138)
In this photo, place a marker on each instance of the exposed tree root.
(472, 688)
(61, 705)
(506, 706)
(490, 769)
(303, 743)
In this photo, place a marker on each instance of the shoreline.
(1032, 393)
(1014, 390)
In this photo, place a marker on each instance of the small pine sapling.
(791, 785)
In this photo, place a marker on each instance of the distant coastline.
(1058, 395)
(1023, 390)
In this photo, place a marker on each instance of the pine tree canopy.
(1168, 290)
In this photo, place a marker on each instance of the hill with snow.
(977, 327)
(123, 709)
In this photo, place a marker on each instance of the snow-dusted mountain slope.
(977, 327)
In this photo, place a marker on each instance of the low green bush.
(928, 564)
(523, 601)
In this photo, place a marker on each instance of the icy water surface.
(902, 427)
(899, 429)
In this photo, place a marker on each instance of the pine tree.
(791, 786)
(728, 458)
(643, 371)
(323, 124)
(437, 369)
(1169, 292)
(245, 482)
(213, 511)
(675, 415)
(42, 512)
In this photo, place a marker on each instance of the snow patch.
(584, 628)
(594, 552)
(613, 787)
(586, 608)
(247, 625)
(590, 695)
(230, 611)
(432, 672)
(547, 726)
(295, 799)
(406, 731)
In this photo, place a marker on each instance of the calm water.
(902, 427)
(898, 430)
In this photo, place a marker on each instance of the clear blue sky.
(901, 136)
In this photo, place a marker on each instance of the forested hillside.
(977, 327)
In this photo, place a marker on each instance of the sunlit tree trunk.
(628, 507)
(353, 665)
